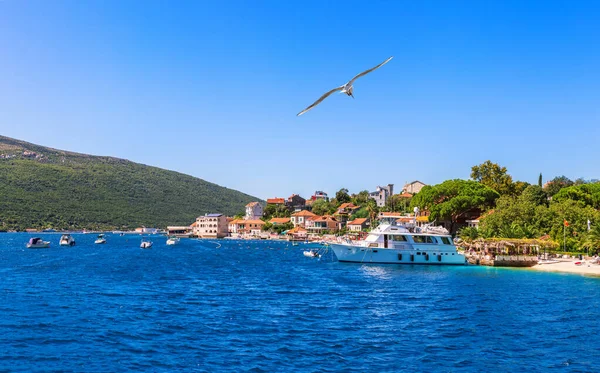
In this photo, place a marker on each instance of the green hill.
(42, 187)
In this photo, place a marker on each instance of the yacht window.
(419, 239)
(446, 241)
(429, 239)
(418, 253)
(399, 238)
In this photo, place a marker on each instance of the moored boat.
(66, 240)
(100, 240)
(37, 243)
(394, 244)
(145, 244)
(173, 241)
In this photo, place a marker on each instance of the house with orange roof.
(254, 211)
(279, 221)
(276, 201)
(297, 234)
(357, 225)
(320, 224)
(248, 227)
(299, 218)
(347, 208)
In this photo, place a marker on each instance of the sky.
(212, 88)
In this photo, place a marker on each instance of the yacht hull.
(357, 254)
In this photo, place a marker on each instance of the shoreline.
(587, 268)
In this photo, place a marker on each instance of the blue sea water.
(261, 306)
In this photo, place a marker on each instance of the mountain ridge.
(43, 187)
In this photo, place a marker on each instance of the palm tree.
(592, 239)
(372, 209)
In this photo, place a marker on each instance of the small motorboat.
(173, 241)
(145, 244)
(311, 254)
(66, 240)
(37, 243)
(100, 240)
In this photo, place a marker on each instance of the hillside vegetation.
(42, 187)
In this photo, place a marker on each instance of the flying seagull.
(346, 88)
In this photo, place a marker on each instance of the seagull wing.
(368, 71)
(320, 99)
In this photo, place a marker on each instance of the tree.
(584, 194)
(372, 209)
(452, 198)
(535, 194)
(320, 207)
(592, 240)
(361, 198)
(493, 176)
(540, 180)
(555, 185)
(276, 211)
(267, 226)
(342, 196)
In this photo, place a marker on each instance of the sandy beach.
(587, 268)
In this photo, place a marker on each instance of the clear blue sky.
(212, 88)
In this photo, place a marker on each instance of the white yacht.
(173, 241)
(100, 240)
(66, 240)
(145, 244)
(389, 243)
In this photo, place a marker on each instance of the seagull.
(346, 88)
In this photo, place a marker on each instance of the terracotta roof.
(405, 219)
(359, 221)
(280, 220)
(276, 201)
(260, 222)
(252, 204)
(390, 214)
(237, 221)
(348, 205)
(405, 195)
(323, 218)
(296, 230)
(303, 213)
(194, 224)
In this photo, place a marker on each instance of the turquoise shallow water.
(263, 306)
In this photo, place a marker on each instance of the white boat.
(37, 243)
(66, 240)
(312, 254)
(100, 240)
(145, 244)
(173, 241)
(394, 244)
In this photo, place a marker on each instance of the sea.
(262, 306)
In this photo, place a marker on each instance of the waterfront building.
(358, 225)
(211, 226)
(381, 194)
(248, 227)
(254, 211)
(322, 224)
(181, 231)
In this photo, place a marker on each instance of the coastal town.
(296, 218)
